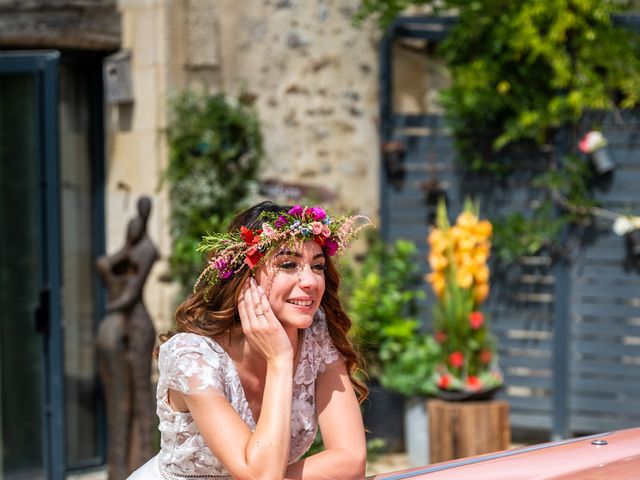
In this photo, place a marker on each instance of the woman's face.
(293, 280)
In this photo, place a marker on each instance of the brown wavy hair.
(212, 310)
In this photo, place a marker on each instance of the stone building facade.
(312, 73)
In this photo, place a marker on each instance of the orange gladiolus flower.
(481, 274)
(467, 220)
(464, 278)
(480, 292)
(484, 229)
(438, 261)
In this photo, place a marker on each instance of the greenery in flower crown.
(231, 252)
(460, 279)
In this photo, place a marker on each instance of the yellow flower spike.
(484, 229)
(464, 278)
(435, 237)
(440, 246)
(481, 253)
(467, 243)
(438, 261)
(467, 220)
(456, 233)
(437, 282)
(481, 274)
(480, 292)
(464, 260)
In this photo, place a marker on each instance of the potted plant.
(408, 366)
(380, 296)
(467, 368)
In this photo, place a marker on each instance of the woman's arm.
(340, 421)
(262, 454)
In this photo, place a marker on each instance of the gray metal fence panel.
(603, 347)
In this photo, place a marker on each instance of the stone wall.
(315, 79)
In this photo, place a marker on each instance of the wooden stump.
(464, 429)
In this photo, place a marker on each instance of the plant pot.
(602, 162)
(383, 417)
(467, 396)
(416, 431)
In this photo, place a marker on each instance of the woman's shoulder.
(187, 341)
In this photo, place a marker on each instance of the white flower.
(625, 224)
(592, 141)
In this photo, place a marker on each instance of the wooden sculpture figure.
(125, 342)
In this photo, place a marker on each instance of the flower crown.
(230, 252)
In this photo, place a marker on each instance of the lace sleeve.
(193, 367)
(329, 354)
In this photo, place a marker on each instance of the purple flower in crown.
(330, 246)
(281, 221)
(296, 211)
(318, 213)
(222, 266)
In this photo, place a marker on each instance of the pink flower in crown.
(318, 213)
(267, 230)
(325, 231)
(345, 228)
(316, 228)
(331, 247)
(296, 211)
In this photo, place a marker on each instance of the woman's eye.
(288, 266)
(319, 267)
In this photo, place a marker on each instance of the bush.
(215, 147)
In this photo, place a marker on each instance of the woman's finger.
(265, 305)
(255, 299)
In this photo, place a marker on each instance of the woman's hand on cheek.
(261, 327)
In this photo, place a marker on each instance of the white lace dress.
(193, 364)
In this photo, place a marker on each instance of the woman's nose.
(306, 277)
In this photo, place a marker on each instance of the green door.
(32, 430)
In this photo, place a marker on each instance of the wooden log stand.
(463, 429)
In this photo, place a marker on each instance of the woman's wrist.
(282, 361)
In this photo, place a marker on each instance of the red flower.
(456, 359)
(476, 319)
(319, 240)
(444, 382)
(253, 257)
(249, 237)
(440, 336)
(474, 383)
(486, 356)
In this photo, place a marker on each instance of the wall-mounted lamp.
(393, 158)
(433, 190)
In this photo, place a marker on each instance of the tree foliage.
(522, 71)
